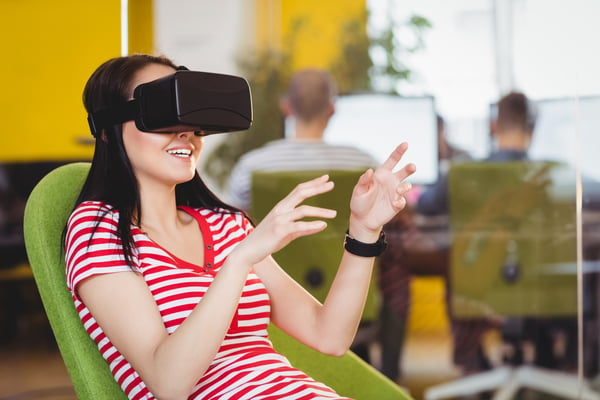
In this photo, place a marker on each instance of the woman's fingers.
(305, 211)
(287, 220)
(306, 190)
(393, 160)
(395, 156)
(305, 228)
(292, 221)
(281, 226)
(406, 171)
(398, 200)
(365, 178)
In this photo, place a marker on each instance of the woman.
(177, 288)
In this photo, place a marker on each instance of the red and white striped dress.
(246, 365)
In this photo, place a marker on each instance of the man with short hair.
(512, 130)
(310, 101)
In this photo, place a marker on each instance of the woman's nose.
(185, 134)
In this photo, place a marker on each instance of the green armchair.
(513, 256)
(313, 260)
(46, 213)
(513, 235)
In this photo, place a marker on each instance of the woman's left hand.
(379, 195)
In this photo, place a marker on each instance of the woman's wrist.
(238, 258)
(363, 233)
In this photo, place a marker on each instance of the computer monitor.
(377, 123)
(568, 130)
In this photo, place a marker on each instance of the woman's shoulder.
(91, 206)
(93, 211)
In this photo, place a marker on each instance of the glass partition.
(516, 300)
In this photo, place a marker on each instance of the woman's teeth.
(180, 152)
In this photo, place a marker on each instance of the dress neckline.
(209, 254)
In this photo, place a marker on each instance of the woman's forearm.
(184, 356)
(342, 310)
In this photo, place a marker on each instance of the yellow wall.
(50, 49)
(141, 26)
(319, 37)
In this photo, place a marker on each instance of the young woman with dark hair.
(177, 288)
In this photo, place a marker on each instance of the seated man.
(512, 132)
(310, 101)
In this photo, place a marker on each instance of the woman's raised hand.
(376, 198)
(284, 222)
(379, 195)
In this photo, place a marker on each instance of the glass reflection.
(526, 291)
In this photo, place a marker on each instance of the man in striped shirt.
(310, 102)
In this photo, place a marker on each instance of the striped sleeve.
(92, 245)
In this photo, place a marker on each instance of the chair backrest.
(47, 210)
(312, 260)
(46, 213)
(513, 233)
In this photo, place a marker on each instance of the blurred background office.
(398, 64)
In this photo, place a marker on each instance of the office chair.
(46, 213)
(513, 232)
(313, 260)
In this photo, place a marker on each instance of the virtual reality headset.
(184, 101)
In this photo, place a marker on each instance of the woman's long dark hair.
(111, 179)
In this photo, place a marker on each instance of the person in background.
(512, 131)
(177, 288)
(310, 102)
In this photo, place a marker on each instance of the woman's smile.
(180, 152)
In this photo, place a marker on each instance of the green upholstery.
(312, 260)
(513, 213)
(48, 208)
(348, 375)
(46, 213)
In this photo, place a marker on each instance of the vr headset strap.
(113, 115)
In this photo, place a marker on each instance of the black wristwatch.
(362, 249)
